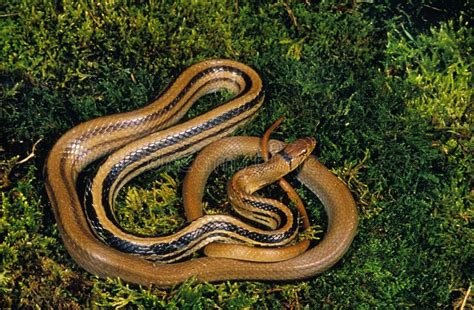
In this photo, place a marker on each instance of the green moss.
(151, 211)
(386, 89)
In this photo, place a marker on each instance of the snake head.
(296, 152)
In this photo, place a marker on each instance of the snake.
(148, 137)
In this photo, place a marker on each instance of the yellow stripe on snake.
(140, 140)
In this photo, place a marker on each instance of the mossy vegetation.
(386, 88)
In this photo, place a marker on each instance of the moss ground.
(385, 87)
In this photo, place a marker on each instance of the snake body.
(145, 138)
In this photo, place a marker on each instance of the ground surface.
(385, 88)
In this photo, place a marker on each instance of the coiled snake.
(145, 138)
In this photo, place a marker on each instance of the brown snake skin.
(72, 154)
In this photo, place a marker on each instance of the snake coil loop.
(148, 137)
